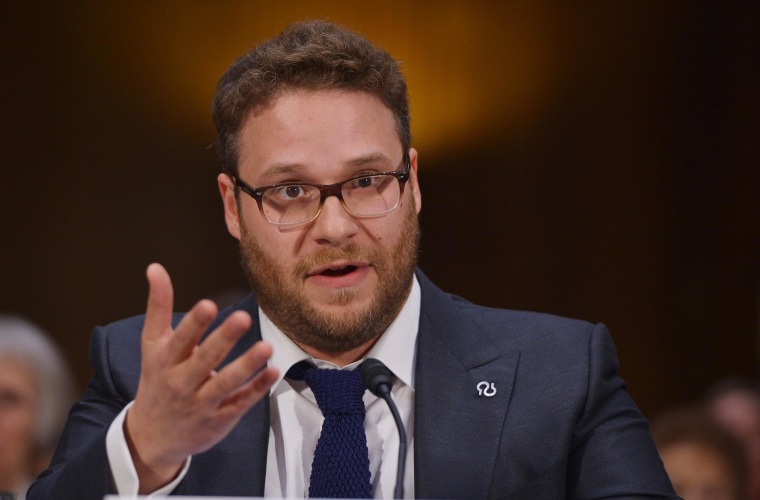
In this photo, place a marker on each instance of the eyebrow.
(290, 168)
(370, 158)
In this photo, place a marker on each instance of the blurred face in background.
(738, 412)
(698, 472)
(17, 423)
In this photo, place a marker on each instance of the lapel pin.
(486, 389)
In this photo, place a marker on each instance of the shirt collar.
(396, 347)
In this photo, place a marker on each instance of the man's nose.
(334, 224)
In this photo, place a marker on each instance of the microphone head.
(377, 377)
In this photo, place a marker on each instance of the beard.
(280, 291)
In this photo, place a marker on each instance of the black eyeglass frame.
(325, 190)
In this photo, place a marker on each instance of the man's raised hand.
(183, 406)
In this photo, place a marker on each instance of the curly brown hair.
(309, 55)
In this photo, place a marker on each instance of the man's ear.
(415, 185)
(231, 216)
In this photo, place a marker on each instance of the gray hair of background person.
(25, 342)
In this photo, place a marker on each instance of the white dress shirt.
(296, 420)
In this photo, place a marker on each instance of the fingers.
(241, 372)
(236, 384)
(158, 315)
(248, 394)
(215, 347)
(181, 346)
(189, 331)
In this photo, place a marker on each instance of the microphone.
(378, 379)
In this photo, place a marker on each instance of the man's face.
(337, 282)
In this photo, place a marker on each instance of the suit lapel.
(462, 390)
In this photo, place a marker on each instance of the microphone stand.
(378, 379)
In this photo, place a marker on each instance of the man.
(320, 187)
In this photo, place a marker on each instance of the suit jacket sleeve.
(612, 453)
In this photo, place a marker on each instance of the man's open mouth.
(338, 271)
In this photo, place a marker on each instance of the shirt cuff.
(123, 470)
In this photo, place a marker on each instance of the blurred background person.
(36, 391)
(703, 460)
(735, 405)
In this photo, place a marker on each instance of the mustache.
(328, 255)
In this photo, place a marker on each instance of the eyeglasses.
(365, 195)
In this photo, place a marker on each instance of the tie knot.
(336, 391)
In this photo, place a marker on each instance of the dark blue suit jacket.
(560, 425)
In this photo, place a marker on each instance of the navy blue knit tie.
(340, 468)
